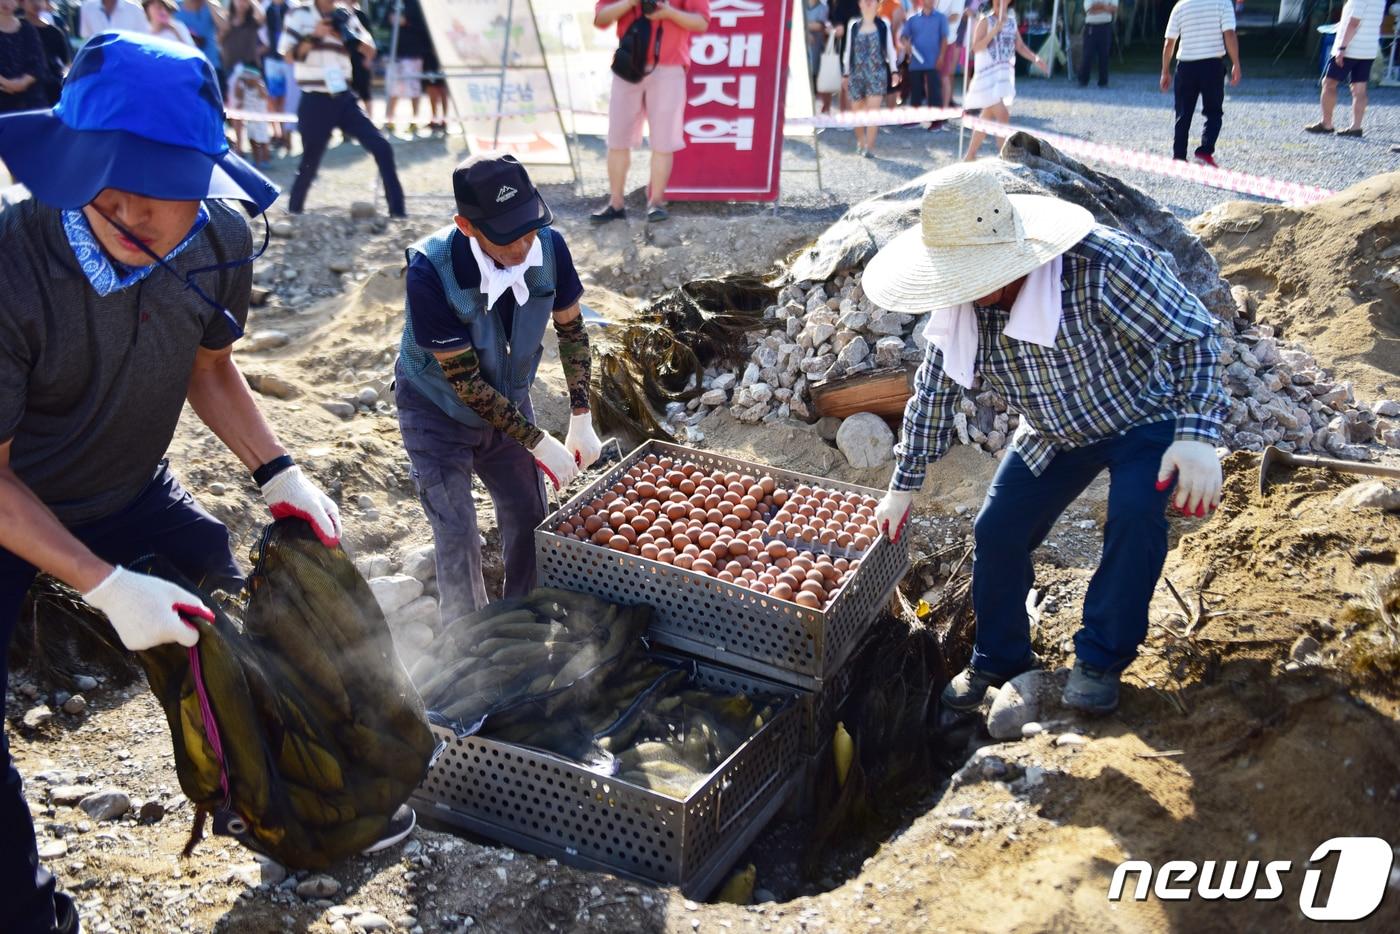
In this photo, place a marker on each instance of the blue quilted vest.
(508, 367)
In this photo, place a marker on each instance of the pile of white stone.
(407, 594)
(1278, 392)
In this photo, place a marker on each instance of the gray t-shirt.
(91, 387)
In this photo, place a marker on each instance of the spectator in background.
(206, 23)
(57, 51)
(926, 40)
(1355, 47)
(1205, 30)
(868, 66)
(955, 12)
(1098, 39)
(816, 15)
(282, 93)
(361, 55)
(315, 37)
(403, 75)
(842, 12)
(995, 44)
(659, 98)
(894, 13)
(248, 92)
(160, 17)
(241, 42)
(105, 15)
(22, 70)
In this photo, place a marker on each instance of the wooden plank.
(883, 392)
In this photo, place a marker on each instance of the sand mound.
(1327, 274)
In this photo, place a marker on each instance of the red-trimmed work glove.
(893, 513)
(555, 460)
(290, 493)
(145, 610)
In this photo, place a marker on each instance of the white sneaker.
(400, 826)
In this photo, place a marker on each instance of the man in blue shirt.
(925, 40)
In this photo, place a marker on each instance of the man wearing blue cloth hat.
(124, 282)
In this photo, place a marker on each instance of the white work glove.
(582, 441)
(1198, 476)
(290, 493)
(555, 460)
(145, 611)
(893, 513)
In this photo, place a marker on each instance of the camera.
(649, 7)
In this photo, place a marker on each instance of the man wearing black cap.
(479, 293)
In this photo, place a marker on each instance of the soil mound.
(1327, 274)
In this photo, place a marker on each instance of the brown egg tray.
(766, 570)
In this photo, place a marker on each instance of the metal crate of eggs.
(760, 569)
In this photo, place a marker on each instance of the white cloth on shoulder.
(1035, 318)
(495, 280)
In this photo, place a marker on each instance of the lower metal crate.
(552, 806)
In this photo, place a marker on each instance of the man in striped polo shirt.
(1205, 31)
(316, 37)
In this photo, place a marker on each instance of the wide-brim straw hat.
(972, 239)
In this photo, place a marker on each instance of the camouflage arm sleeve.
(463, 371)
(577, 360)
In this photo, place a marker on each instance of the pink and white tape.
(1262, 185)
(884, 117)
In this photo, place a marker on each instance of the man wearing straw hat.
(1112, 365)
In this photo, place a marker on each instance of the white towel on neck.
(1035, 318)
(495, 280)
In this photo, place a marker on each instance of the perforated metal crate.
(548, 805)
(708, 618)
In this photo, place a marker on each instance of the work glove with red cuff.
(290, 493)
(556, 460)
(1196, 467)
(582, 441)
(146, 611)
(893, 513)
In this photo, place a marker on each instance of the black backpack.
(630, 60)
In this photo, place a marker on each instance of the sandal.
(656, 214)
(608, 213)
(1353, 131)
(1318, 128)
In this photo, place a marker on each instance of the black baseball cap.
(495, 193)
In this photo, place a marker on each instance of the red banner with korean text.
(734, 104)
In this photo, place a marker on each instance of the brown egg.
(665, 463)
(686, 486)
(779, 497)
(782, 590)
(697, 515)
(661, 527)
(768, 577)
(813, 588)
(714, 515)
(684, 561)
(646, 538)
(793, 531)
(679, 541)
(707, 554)
(619, 543)
(706, 539)
(768, 484)
(803, 561)
(830, 573)
(869, 530)
(617, 520)
(735, 568)
(790, 579)
(667, 555)
(628, 533)
(639, 524)
(844, 539)
(649, 552)
(713, 500)
(565, 528)
(692, 550)
(676, 511)
(732, 521)
(782, 564)
(861, 542)
(758, 586)
(646, 489)
(725, 576)
(814, 576)
(703, 565)
(741, 512)
(753, 491)
(602, 536)
(808, 600)
(678, 497)
(776, 550)
(593, 523)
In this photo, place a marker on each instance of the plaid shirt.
(1134, 347)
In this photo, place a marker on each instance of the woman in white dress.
(995, 44)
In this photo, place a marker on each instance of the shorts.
(404, 78)
(659, 98)
(1352, 71)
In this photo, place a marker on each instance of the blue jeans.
(163, 520)
(1018, 514)
(445, 455)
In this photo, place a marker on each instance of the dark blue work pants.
(1098, 42)
(1018, 514)
(1202, 80)
(319, 114)
(445, 455)
(163, 520)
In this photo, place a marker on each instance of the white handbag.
(829, 71)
